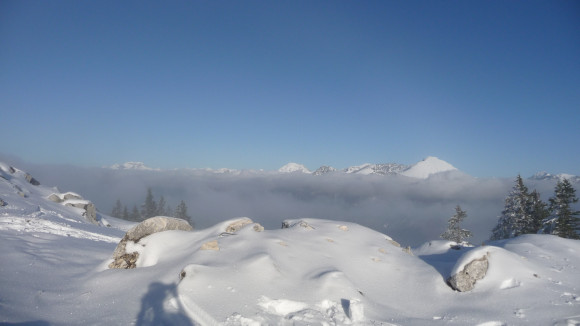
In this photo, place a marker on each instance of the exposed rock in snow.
(428, 167)
(473, 271)
(210, 245)
(324, 170)
(236, 225)
(294, 167)
(126, 254)
(72, 199)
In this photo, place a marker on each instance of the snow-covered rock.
(464, 279)
(294, 167)
(127, 252)
(429, 166)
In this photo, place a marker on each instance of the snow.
(314, 272)
(131, 166)
(427, 167)
(294, 167)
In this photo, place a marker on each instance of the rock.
(343, 227)
(408, 250)
(2, 202)
(394, 243)
(302, 224)
(258, 227)
(90, 211)
(210, 245)
(236, 225)
(31, 180)
(473, 271)
(55, 198)
(126, 260)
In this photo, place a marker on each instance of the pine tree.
(515, 218)
(117, 209)
(563, 221)
(181, 212)
(126, 215)
(538, 211)
(161, 210)
(454, 232)
(135, 214)
(149, 208)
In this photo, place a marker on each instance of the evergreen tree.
(564, 221)
(515, 219)
(454, 232)
(126, 215)
(135, 214)
(538, 210)
(161, 210)
(181, 212)
(117, 209)
(149, 208)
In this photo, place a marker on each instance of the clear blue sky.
(493, 87)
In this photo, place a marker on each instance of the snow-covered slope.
(294, 167)
(429, 166)
(54, 271)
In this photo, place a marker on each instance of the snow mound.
(429, 166)
(294, 167)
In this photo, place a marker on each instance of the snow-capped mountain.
(558, 177)
(429, 166)
(131, 166)
(380, 169)
(294, 167)
(324, 170)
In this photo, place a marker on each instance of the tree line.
(525, 213)
(150, 208)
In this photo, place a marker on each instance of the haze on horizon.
(490, 87)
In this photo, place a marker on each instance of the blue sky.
(493, 87)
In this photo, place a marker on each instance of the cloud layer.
(411, 211)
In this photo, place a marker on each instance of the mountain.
(557, 177)
(324, 170)
(380, 169)
(294, 167)
(131, 166)
(427, 167)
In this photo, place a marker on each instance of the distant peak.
(130, 166)
(430, 165)
(294, 167)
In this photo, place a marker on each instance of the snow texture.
(313, 272)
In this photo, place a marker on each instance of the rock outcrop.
(125, 260)
(465, 279)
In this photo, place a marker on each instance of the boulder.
(31, 180)
(125, 260)
(210, 245)
(471, 273)
(90, 211)
(236, 225)
(302, 224)
(2, 202)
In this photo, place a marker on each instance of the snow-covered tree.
(149, 208)
(117, 209)
(563, 221)
(538, 211)
(515, 219)
(454, 232)
(181, 212)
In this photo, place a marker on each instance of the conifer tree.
(454, 232)
(538, 210)
(181, 212)
(515, 219)
(149, 208)
(126, 215)
(135, 214)
(564, 221)
(161, 210)
(117, 209)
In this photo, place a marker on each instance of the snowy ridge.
(558, 177)
(429, 166)
(294, 167)
(132, 166)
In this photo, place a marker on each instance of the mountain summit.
(294, 167)
(427, 167)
